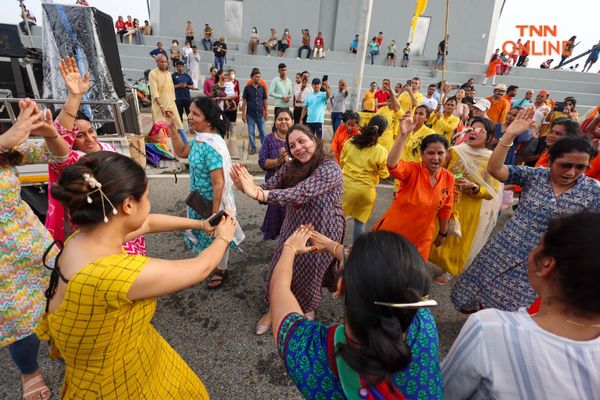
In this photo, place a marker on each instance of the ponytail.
(370, 134)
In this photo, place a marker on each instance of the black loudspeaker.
(10, 42)
(108, 42)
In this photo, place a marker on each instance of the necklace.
(570, 321)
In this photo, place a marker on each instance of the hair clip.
(97, 186)
(424, 302)
(221, 117)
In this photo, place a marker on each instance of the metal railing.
(7, 103)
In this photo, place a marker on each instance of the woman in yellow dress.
(477, 201)
(100, 300)
(363, 162)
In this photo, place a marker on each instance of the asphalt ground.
(214, 330)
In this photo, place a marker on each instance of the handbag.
(199, 203)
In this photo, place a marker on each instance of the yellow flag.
(420, 9)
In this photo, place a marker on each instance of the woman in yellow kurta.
(477, 201)
(445, 123)
(363, 163)
(426, 192)
(101, 301)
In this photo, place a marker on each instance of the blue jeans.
(219, 62)
(336, 120)
(24, 353)
(373, 53)
(207, 44)
(252, 123)
(139, 38)
(317, 128)
(359, 229)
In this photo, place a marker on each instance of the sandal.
(41, 392)
(216, 279)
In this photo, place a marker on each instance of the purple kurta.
(275, 213)
(316, 200)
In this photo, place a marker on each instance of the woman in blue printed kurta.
(386, 348)
(497, 278)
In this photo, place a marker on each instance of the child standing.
(405, 56)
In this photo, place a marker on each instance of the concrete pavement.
(213, 330)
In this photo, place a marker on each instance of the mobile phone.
(409, 82)
(325, 78)
(560, 106)
(216, 219)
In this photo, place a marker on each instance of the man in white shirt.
(301, 90)
(429, 100)
(541, 111)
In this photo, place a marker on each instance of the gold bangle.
(291, 247)
(335, 250)
(504, 144)
(223, 239)
(202, 225)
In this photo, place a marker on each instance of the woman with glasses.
(497, 278)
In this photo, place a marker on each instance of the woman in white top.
(553, 354)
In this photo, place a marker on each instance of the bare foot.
(34, 387)
(264, 324)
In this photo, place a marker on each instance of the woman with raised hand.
(551, 354)
(425, 192)
(23, 243)
(101, 300)
(387, 346)
(77, 130)
(363, 163)
(272, 156)
(210, 168)
(310, 186)
(497, 277)
(477, 200)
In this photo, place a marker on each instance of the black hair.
(281, 65)
(573, 242)
(570, 144)
(427, 110)
(218, 76)
(120, 177)
(178, 63)
(295, 171)
(572, 100)
(255, 71)
(370, 133)
(373, 83)
(213, 68)
(279, 111)
(213, 114)
(434, 138)
(488, 125)
(571, 127)
(451, 98)
(349, 114)
(511, 87)
(384, 267)
(431, 85)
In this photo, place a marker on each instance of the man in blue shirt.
(254, 109)
(354, 45)
(159, 50)
(314, 107)
(182, 83)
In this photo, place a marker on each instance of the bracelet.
(202, 225)
(335, 250)
(443, 234)
(223, 239)
(291, 247)
(504, 144)
(68, 113)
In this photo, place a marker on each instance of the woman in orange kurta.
(345, 131)
(493, 70)
(425, 192)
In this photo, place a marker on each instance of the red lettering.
(550, 30)
(535, 30)
(534, 52)
(554, 48)
(521, 29)
(509, 45)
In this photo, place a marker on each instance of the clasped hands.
(319, 243)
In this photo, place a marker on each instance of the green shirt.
(279, 89)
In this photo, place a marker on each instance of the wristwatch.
(443, 234)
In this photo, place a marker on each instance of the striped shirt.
(506, 355)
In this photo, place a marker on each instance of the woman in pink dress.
(77, 130)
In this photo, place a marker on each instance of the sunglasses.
(567, 166)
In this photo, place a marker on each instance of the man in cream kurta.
(163, 92)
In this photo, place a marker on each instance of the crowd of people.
(455, 160)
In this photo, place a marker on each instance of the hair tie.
(376, 127)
